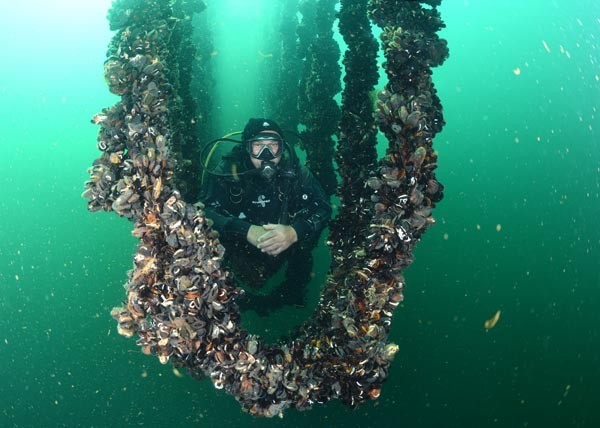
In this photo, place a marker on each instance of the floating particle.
(144, 374)
(517, 71)
(498, 227)
(177, 372)
(565, 52)
(491, 323)
(17, 277)
(546, 46)
(445, 236)
(478, 227)
(6, 341)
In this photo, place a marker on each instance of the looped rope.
(181, 303)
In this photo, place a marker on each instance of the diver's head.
(264, 143)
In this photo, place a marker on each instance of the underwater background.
(518, 230)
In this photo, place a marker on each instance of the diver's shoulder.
(305, 172)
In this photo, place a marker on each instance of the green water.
(517, 231)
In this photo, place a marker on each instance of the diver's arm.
(213, 197)
(315, 209)
(228, 225)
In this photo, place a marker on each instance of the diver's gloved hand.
(277, 239)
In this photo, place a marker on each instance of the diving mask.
(265, 146)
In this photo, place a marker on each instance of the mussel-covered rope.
(357, 136)
(185, 144)
(181, 303)
(283, 102)
(319, 112)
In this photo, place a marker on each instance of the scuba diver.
(268, 210)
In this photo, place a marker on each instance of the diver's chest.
(260, 205)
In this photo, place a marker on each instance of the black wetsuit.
(236, 203)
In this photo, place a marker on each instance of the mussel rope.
(181, 303)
